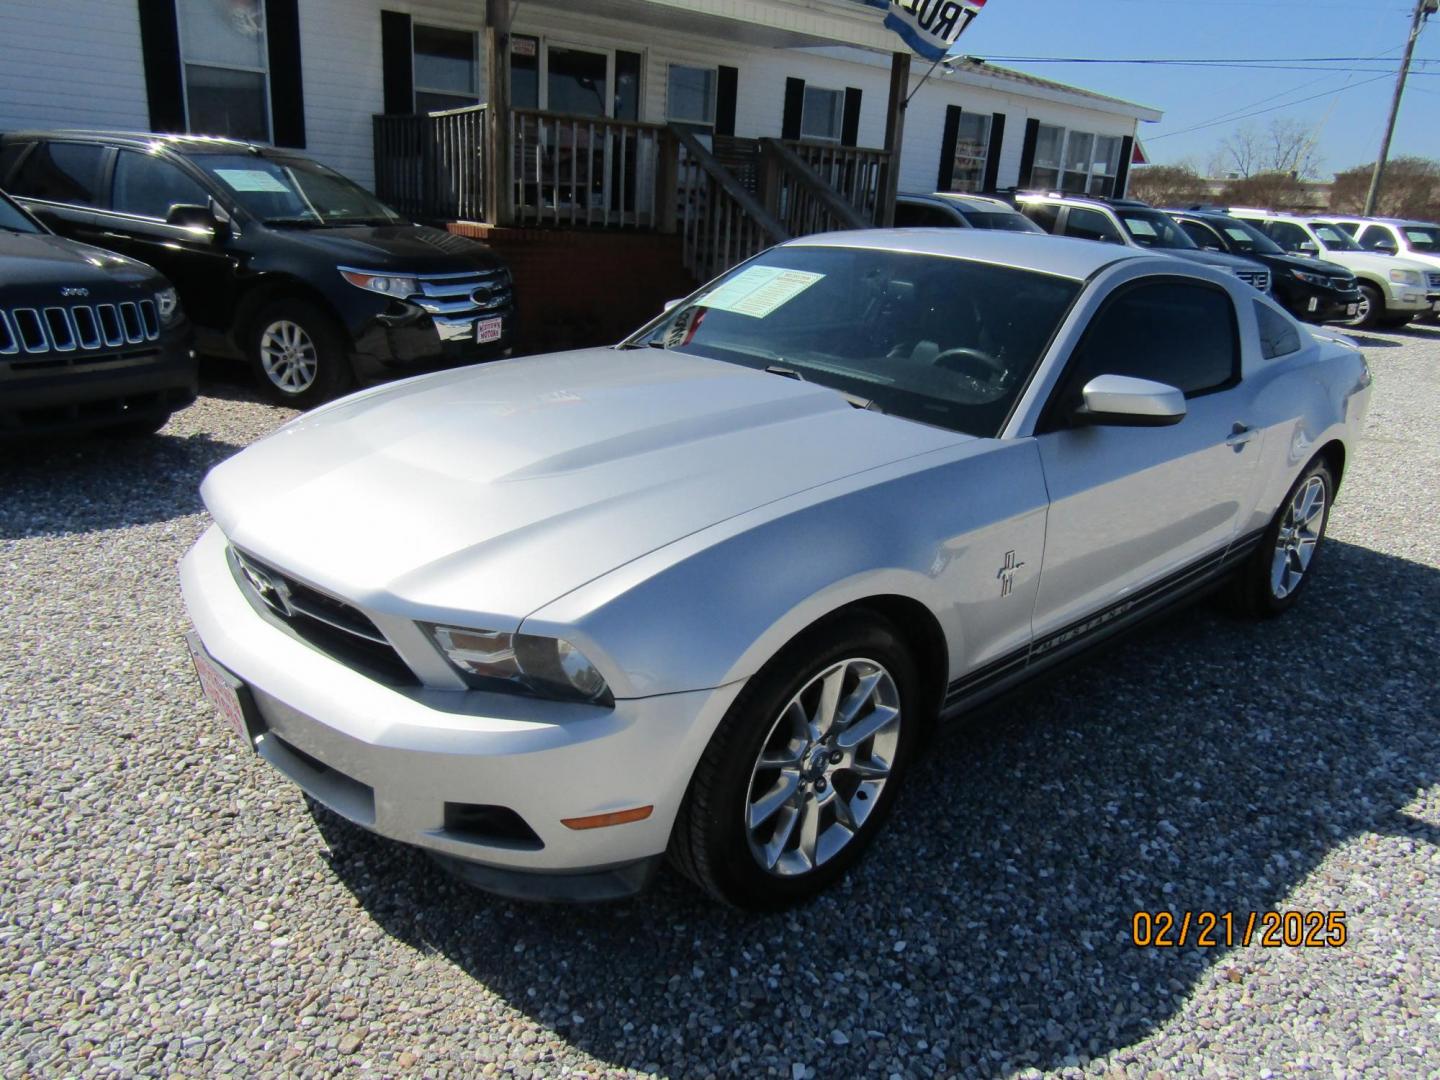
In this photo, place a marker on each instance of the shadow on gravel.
(1206, 764)
(1367, 342)
(62, 486)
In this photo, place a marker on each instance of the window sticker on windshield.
(251, 180)
(759, 290)
(1140, 227)
(1238, 234)
(1420, 237)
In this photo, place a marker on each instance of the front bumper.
(391, 759)
(57, 392)
(1316, 304)
(406, 340)
(1405, 299)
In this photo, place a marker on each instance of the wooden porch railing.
(589, 171)
(853, 172)
(799, 198)
(433, 166)
(720, 222)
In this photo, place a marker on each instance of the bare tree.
(1168, 185)
(1412, 189)
(1286, 146)
(1275, 190)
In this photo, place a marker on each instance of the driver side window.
(1179, 333)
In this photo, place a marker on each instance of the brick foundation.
(579, 287)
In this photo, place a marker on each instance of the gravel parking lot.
(168, 904)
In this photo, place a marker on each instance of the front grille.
(322, 621)
(1434, 279)
(1260, 279)
(57, 330)
(471, 293)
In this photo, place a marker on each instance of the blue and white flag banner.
(929, 27)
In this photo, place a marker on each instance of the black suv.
(1310, 289)
(280, 260)
(88, 338)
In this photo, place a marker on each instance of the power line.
(1189, 60)
(1261, 112)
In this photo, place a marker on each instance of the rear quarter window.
(1278, 335)
(62, 173)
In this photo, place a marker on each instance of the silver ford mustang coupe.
(705, 593)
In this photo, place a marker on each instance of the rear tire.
(297, 353)
(1271, 580)
(803, 770)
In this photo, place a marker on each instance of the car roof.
(1062, 256)
(1084, 200)
(1381, 220)
(987, 203)
(147, 140)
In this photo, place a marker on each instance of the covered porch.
(627, 118)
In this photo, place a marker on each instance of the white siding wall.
(71, 63)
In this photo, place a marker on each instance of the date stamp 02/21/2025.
(1224, 929)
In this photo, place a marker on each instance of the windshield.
(1333, 237)
(1424, 238)
(13, 218)
(295, 191)
(1246, 239)
(995, 219)
(943, 341)
(1150, 228)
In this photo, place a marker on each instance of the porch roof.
(779, 24)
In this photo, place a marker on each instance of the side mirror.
(1307, 248)
(212, 219)
(1385, 247)
(1124, 401)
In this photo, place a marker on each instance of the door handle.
(1239, 435)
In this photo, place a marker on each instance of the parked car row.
(278, 260)
(1358, 271)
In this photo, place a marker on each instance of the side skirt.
(1076, 640)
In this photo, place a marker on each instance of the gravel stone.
(170, 905)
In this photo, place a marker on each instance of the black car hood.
(1297, 262)
(414, 249)
(41, 259)
(1212, 258)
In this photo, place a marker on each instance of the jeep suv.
(1133, 224)
(1393, 290)
(1310, 289)
(88, 339)
(281, 261)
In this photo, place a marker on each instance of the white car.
(1393, 291)
(705, 593)
(1414, 241)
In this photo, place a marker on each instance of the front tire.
(804, 768)
(1271, 580)
(298, 354)
(1370, 310)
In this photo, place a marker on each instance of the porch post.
(499, 182)
(894, 136)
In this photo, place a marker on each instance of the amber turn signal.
(600, 821)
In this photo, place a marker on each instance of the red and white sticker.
(488, 330)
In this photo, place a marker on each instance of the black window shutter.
(397, 62)
(726, 88)
(850, 124)
(1027, 151)
(160, 47)
(947, 148)
(794, 106)
(1122, 175)
(287, 82)
(992, 155)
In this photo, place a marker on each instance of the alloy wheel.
(822, 767)
(289, 356)
(1298, 537)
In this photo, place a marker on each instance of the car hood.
(1228, 263)
(36, 259)
(408, 249)
(1375, 264)
(485, 493)
(1303, 263)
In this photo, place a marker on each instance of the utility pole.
(1423, 10)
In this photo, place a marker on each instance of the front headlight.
(1406, 277)
(167, 303)
(1313, 279)
(398, 286)
(523, 663)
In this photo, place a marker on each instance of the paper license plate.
(1314, 303)
(488, 330)
(1351, 309)
(1435, 306)
(221, 689)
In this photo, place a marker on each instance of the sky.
(1350, 121)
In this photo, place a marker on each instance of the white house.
(311, 73)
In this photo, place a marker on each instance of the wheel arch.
(277, 286)
(1334, 455)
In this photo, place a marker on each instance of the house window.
(227, 75)
(447, 70)
(823, 114)
(1078, 162)
(972, 147)
(691, 96)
